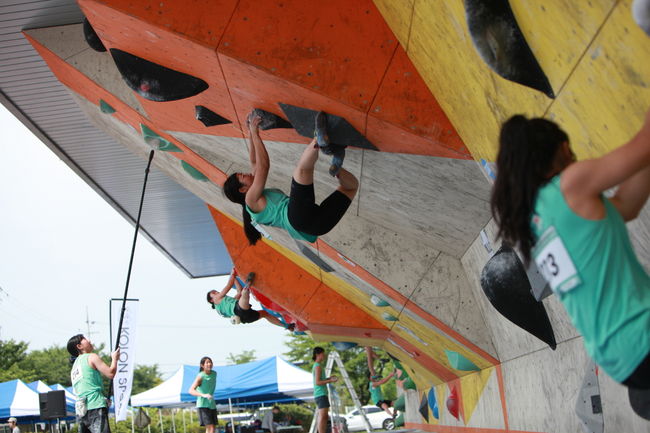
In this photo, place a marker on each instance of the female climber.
(554, 209)
(239, 306)
(320, 387)
(298, 214)
(203, 389)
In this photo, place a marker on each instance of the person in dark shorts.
(238, 308)
(377, 397)
(320, 387)
(203, 388)
(86, 377)
(298, 213)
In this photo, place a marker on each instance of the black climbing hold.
(271, 121)
(500, 43)
(315, 259)
(339, 130)
(91, 37)
(506, 286)
(155, 82)
(640, 401)
(209, 117)
(424, 407)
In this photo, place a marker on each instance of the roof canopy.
(268, 380)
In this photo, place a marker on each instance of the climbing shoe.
(321, 130)
(338, 154)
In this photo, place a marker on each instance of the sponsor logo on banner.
(123, 380)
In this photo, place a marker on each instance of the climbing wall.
(401, 270)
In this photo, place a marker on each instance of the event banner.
(123, 380)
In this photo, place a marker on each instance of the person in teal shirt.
(86, 377)
(239, 306)
(297, 213)
(376, 396)
(320, 387)
(203, 389)
(554, 210)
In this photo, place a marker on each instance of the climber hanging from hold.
(238, 308)
(298, 213)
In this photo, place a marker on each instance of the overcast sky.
(64, 252)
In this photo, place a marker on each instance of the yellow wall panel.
(607, 96)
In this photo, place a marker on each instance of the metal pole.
(232, 419)
(184, 427)
(132, 420)
(173, 422)
(161, 424)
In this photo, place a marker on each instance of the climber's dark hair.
(527, 151)
(231, 190)
(72, 347)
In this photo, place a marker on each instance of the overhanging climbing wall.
(401, 269)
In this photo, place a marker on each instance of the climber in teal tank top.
(203, 389)
(86, 377)
(554, 210)
(320, 387)
(297, 213)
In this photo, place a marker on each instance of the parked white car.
(377, 417)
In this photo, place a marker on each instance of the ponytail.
(527, 151)
(72, 347)
(231, 190)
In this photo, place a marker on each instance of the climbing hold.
(641, 14)
(193, 172)
(500, 43)
(315, 258)
(505, 283)
(343, 345)
(588, 405)
(155, 82)
(376, 300)
(271, 121)
(91, 37)
(452, 403)
(459, 362)
(400, 402)
(433, 403)
(105, 107)
(424, 408)
(389, 317)
(640, 401)
(155, 140)
(340, 131)
(209, 117)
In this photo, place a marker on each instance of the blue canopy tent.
(18, 400)
(268, 380)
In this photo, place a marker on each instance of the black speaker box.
(52, 404)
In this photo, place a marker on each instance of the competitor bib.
(554, 262)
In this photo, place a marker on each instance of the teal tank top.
(226, 308)
(208, 384)
(275, 214)
(87, 382)
(608, 298)
(375, 393)
(319, 390)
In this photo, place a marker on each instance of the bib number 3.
(554, 262)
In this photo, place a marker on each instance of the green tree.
(354, 360)
(145, 377)
(11, 354)
(51, 365)
(242, 358)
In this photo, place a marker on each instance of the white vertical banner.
(123, 380)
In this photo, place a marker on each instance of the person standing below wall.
(268, 423)
(203, 389)
(320, 388)
(86, 377)
(554, 210)
(13, 425)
